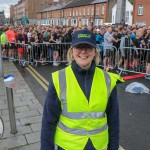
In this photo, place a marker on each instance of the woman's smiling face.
(84, 54)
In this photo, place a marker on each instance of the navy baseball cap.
(83, 37)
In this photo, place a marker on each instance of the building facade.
(128, 16)
(141, 12)
(25, 11)
(2, 18)
(75, 13)
(19, 12)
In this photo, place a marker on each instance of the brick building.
(25, 11)
(141, 12)
(74, 13)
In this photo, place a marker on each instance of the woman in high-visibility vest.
(81, 108)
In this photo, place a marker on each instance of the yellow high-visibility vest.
(82, 119)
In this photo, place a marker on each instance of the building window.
(141, 23)
(127, 16)
(97, 10)
(77, 12)
(98, 22)
(80, 11)
(92, 10)
(73, 12)
(103, 9)
(51, 23)
(57, 22)
(65, 22)
(70, 12)
(66, 13)
(83, 11)
(84, 22)
(73, 22)
(140, 10)
(88, 11)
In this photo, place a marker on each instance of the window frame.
(127, 16)
(140, 10)
(103, 9)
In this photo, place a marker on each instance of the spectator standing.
(137, 45)
(148, 60)
(11, 39)
(20, 45)
(108, 47)
(125, 52)
(4, 43)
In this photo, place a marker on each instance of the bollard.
(10, 83)
(11, 110)
(1, 127)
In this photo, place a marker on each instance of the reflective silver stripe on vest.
(74, 115)
(108, 82)
(82, 131)
(83, 115)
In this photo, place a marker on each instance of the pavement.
(28, 112)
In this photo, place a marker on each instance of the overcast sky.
(5, 5)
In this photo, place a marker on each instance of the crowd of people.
(126, 46)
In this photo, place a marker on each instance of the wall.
(146, 13)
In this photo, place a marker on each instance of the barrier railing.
(54, 52)
(126, 59)
(18, 52)
(50, 52)
(108, 57)
(133, 60)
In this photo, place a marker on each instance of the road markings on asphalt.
(38, 79)
(43, 79)
(121, 148)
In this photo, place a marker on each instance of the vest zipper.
(88, 114)
(85, 84)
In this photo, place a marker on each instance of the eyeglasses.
(86, 47)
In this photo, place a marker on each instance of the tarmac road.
(134, 108)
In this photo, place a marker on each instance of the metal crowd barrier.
(49, 52)
(108, 58)
(126, 58)
(18, 52)
(133, 60)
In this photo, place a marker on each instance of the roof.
(77, 3)
(73, 3)
(56, 7)
(99, 1)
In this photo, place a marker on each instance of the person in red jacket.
(11, 39)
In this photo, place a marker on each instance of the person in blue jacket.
(100, 41)
(81, 109)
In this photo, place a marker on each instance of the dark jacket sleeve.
(51, 114)
(112, 112)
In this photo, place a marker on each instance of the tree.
(131, 1)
